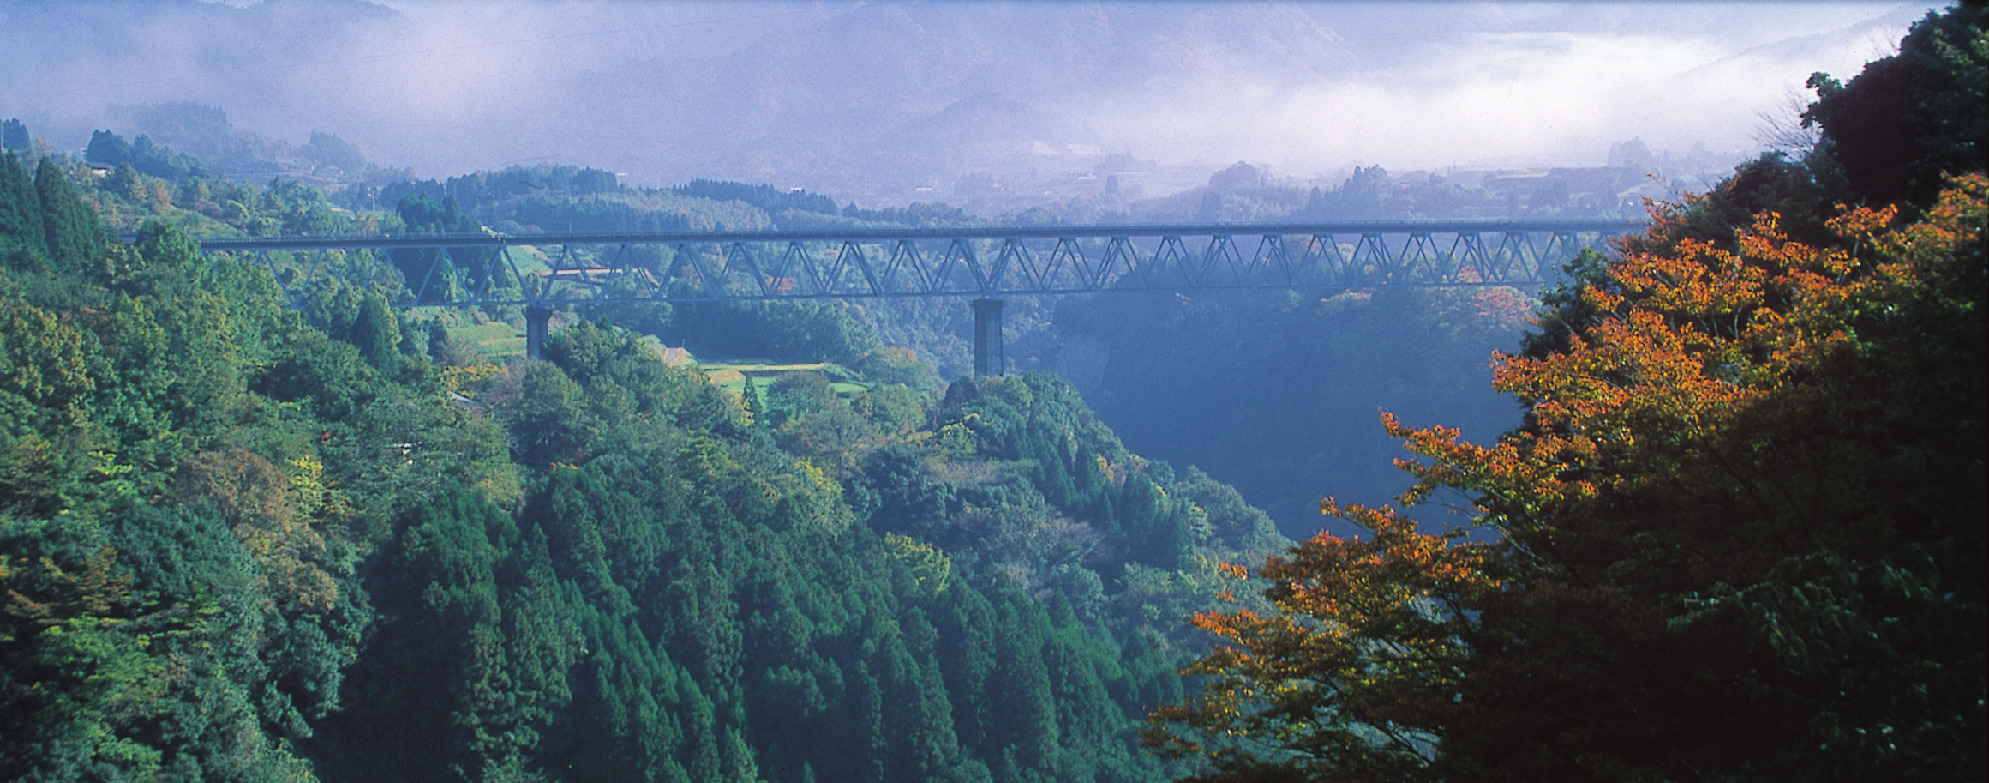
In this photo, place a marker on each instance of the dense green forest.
(244, 543)
(1276, 394)
(1733, 532)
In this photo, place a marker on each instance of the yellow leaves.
(817, 477)
(1356, 587)
(1356, 625)
(1862, 223)
(31, 471)
(956, 440)
(1686, 339)
(42, 359)
(927, 568)
(1957, 218)
(255, 498)
(1696, 280)
(311, 496)
(466, 380)
(60, 594)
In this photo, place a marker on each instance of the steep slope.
(246, 543)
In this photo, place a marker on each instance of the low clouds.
(807, 93)
(1492, 90)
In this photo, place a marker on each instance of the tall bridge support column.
(537, 320)
(988, 359)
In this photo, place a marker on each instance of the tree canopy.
(1738, 536)
(241, 542)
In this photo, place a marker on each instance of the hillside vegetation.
(247, 543)
(1739, 534)
(1733, 528)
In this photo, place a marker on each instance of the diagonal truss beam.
(583, 268)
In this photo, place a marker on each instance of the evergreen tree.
(377, 333)
(14, 136)
(756, 408)
(230, 539)
(23, 239)
(1906, 121)
(108, 149)
(72, 233)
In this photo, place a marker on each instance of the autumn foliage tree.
(1739, 534)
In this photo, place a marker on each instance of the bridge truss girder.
(578, 269)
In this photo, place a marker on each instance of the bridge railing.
(571, 269)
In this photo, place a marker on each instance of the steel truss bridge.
(546, 271)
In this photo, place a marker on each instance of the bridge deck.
(580, 268)
(885, 234)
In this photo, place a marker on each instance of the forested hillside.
(1739, 534)
(247, 543)
(1279, 393)
(1274, 393)
(1733, 529)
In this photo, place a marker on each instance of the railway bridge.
(544, 272)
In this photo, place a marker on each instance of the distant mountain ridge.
(866, 100)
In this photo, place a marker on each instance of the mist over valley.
(1116, 392)
(990, 106)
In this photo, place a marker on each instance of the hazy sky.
(785, 91)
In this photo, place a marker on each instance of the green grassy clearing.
(731, 375)
(496, 340)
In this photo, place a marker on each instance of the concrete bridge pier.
(537, 320)
(988, 359)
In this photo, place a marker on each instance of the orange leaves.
(1864, 223)
(1696, 280)
(1500, 472)
(1686, 378)
(1360, 625)
(1355, 581)
(1712, 409)
(61, 594)
(1956, 219)
(1688, 335)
